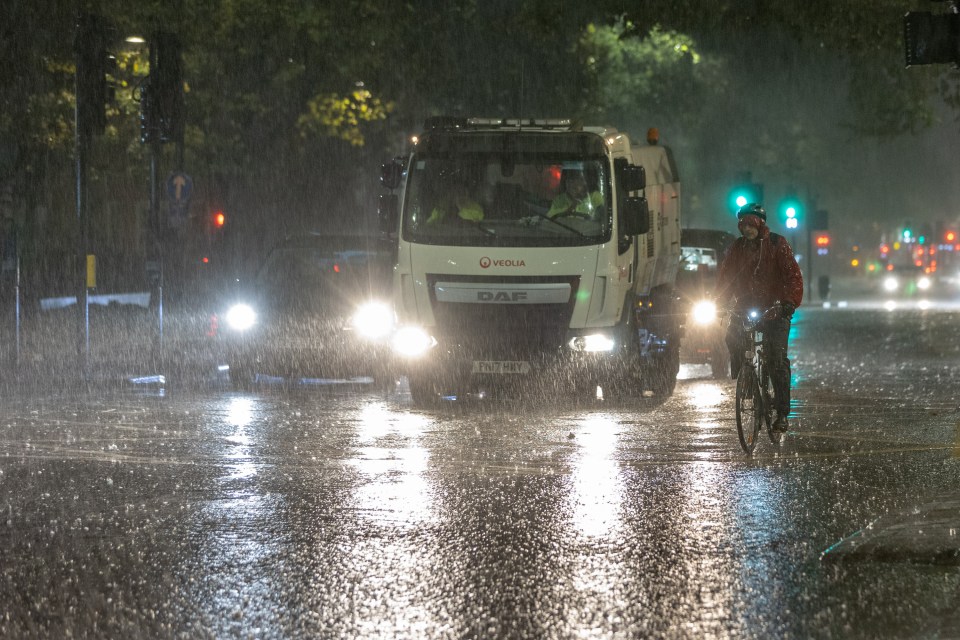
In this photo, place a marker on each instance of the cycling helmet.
(752, 209)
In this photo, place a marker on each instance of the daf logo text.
(501, 296)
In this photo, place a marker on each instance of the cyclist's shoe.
(781, 424)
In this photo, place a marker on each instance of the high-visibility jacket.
(468, 210)
(588, 206)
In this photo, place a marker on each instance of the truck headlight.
(592, 342)
(412, 342)
(241, 317)
(372, 320)
(704, 312)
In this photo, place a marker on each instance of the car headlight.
(704, 312)
(373, 320)
(890, 283)
(241, 317)
(592, 343)
(923, 283)
(412, 342)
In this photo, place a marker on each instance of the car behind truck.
(495, 285)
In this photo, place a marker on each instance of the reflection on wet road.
(344, 513)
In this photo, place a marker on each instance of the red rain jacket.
(761, 272)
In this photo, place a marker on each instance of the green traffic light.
(792, 210)
(743, 194)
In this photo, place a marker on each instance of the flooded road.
(199, 511)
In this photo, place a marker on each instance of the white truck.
(496, 285)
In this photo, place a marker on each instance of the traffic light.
(822, 241)
(949, 236)
(820, 220)
(161, 116)
(213, 247)
(931, 38)
(791, 210)
(94, 64)
(744, 193)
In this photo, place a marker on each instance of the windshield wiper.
(537, 214)
(479, 225)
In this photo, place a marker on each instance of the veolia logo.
(486, 262)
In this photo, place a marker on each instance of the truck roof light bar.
(457, 123)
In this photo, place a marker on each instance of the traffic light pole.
(155, 258)
(83, 307)
(90, 53)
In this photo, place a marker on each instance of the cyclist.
(759, 271)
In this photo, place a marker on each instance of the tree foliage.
(291, 103)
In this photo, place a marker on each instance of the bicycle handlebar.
(753, 317)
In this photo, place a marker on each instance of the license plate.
(501, 366)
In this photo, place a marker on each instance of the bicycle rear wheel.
(749, 406)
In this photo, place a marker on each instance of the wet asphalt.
(193, 510)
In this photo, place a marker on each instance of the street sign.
(177, 214)
(179, 187)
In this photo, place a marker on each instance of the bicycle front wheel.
(766, 391)
(749, 408)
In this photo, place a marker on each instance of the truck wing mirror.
(387, 213)
(636, 215)
(391, 173)
(633, 177)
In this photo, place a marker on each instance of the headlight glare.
(704, 312)
(373, 320)
(241, 317)
(592, 343)
(923, 283)
(412, 342)
(890, 283)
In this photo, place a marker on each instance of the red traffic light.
(219, 219)
(823, 240)
(950, 236)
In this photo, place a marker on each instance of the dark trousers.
(775, 334)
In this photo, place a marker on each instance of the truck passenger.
(457, 201)
(574, 198)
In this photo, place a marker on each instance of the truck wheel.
(666, 366)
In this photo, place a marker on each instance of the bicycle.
(754, 403)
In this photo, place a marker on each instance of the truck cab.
(531, 250)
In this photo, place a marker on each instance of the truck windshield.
(473, 197)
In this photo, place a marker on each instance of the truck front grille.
(496, 331)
